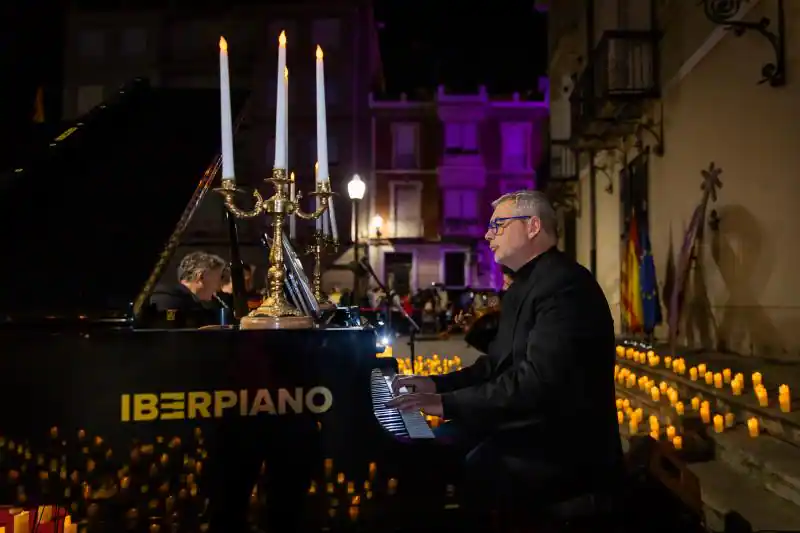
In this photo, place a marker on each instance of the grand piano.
(127, 425)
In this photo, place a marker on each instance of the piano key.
(412, 424)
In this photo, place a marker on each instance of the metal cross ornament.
(711, 182)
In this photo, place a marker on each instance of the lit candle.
(679, 408)
(693, 374)
(718, 380)
(280, 106)
(629, 353)
(726, 375)
(293, 218)
(639, 414)
(736, 387)
(654, 435)
(695, 403)
(626, 403)
(739, 377)
(783, 390)
(761, 395)
(677, 442)
(619, 403)
(653, 420)
(655, 394)
(756, 379)
(672, 394)
(701, 369)
(651, 353)
(752, 427)
(633, 426)
(785, 402)
(620, 417)
(226, 121)
(709, 377)
(655, 361)
(322, 121)
(730, 420)
(670, 432)
(719, 424)
(705, 415)
(668, 361)
(620, 350)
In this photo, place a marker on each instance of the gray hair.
(195, 264)
(535, 204)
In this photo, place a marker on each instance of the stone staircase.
(744, 450)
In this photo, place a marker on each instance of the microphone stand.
(364, 265)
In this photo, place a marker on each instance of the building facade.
(437, 165)
(646, 96)
(178, 48)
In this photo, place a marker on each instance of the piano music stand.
(413, 330)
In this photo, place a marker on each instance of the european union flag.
(651, 305)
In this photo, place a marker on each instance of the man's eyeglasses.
(497, 224)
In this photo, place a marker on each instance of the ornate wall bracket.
(722, 11)
(656, 130)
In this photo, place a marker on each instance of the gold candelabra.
(275, 312)
(321, 243)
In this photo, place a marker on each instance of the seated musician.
(200, 276)
(537, 412)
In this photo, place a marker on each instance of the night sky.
(501, 43)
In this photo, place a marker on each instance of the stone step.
(728, 492)
(770, 462)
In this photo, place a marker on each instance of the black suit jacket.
(546, 386)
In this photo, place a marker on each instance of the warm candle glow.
(756, 379)
(282, 39)
(671, 432)
(679, 408)
(291, 176)
(677, 442)
(223, 44)
(726, 375)
(693, 374)
(752, 427)
(655, 394)
(719, 424)
(730, 420)
(701, 369)
(695, 403)
(319, 53)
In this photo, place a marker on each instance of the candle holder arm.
(314, 215)
(228, 192)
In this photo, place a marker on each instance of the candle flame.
(286, 73)
(282, 39)
(319, 52)
(316, 167)
(223, 44)
(291, 176)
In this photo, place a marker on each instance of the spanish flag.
(632, 288)
(38, 106)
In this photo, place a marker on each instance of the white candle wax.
(280, 106)
(332, 219)
(293, 218)
(326, 221)
(322, 126)
(318, 202)
(225, 112)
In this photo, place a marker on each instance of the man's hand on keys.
(413, 384)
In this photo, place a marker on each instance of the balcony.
(462, 169)
(610, 96)
(461, 227)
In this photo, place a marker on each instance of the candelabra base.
(276, 313)
(276, 322)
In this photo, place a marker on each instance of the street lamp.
(355, 190)
(377, 224)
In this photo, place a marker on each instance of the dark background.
(499, 43)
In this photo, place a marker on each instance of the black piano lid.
(81, 240)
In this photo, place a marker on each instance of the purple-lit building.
(437, 165)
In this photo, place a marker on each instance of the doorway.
(397, 271)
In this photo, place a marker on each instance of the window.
(461, 137)
(134, 42)
(91, 43)
(516, 144)
(455, 266)
(461, 205)
(507, 186)
(406, 206)
(405, 140)
(89, 96)
(326, 33)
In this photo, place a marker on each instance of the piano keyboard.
(409, 424)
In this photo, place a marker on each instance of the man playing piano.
(200, 276)
(537, 412)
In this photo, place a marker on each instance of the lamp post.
(355, 190)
